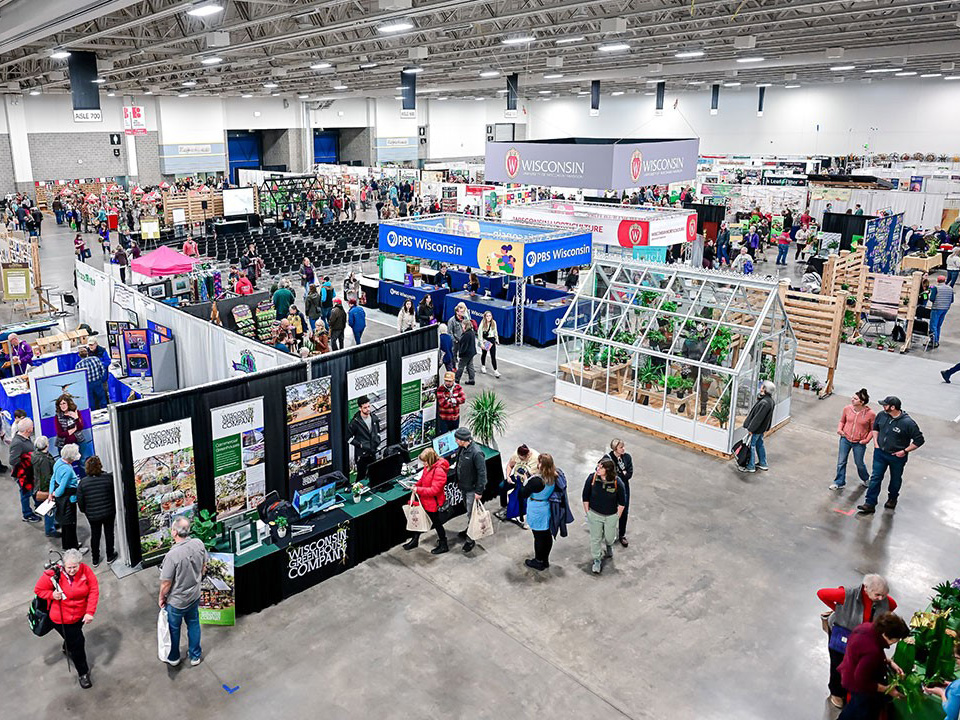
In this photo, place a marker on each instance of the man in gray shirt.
(180, 576)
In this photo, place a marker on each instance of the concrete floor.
(710, 613)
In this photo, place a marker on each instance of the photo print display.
(239, 472)
(308, 428)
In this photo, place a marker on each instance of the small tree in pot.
(487, 418)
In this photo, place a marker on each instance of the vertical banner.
(512, 92)
(594, 98)
(134, 120)
(239, 474)
(369, 382)
(63, 406)
(218, 591)
(308, 428)
(165, 480)
(418, 398)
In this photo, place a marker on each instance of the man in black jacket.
(337, 324)
(895, 434)
(759, 420)
(95, 499)
(471, 476)
(364, 434)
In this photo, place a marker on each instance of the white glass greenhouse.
(674, 349)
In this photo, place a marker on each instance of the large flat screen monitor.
(393, 270)
(238, 201)
(445, 445)
(385, 470)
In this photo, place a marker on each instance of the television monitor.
(309, 502)
(384, 470)
(445, 445)
(238, 201)
(393, 270)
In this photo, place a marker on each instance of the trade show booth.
(675, 351)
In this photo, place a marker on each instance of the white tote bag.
(481, 522)
(163, 635)
(417, 518)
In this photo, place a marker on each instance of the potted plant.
(815, 386)
(868, 343)
(282, 525)
(357, 490)
(881, 343)
(796, 381)
(204, 528)
(721, 412)
(720, 344)
(675, 383)
(487, 418)
(806, 381)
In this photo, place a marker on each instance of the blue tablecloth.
(496, 284)
(536, 292)
(120, 392)
(391, 295)
(11, 403)
(539, 323)
(503, 312)
(27, 328)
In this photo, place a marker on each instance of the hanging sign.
(134, 120)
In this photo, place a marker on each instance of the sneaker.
(501, 514)
(83, 550)
(762, 467)
(470, 382)
(597, 567)
(624, 541)
(946, 378)
(111, 560)
(865, 483)
(866, 509)
(469, 545)
(534, 564)
(411, 543)
(96, 563)
(496, 374)
(85, 682)
(483, 369)
(196, 661)
(172, 663)
(523, 524)
(835, 487)
(890, 505)
(31, 519)
(440, 549)
(744, 468)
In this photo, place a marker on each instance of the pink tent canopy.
(163, 261)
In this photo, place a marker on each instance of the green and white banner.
(418, 398)
(239, 474)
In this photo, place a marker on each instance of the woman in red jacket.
(430, 491)
(71, 591)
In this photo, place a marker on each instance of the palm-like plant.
(487, 418)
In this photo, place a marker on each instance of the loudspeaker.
(203, 204)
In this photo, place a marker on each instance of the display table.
(15, 395)
(533, 293)
(338, 540)
(40, 326)
(540, 321)
(503, 311)
(391, 296)
(496, 284)
(595, 377)
(369, 289)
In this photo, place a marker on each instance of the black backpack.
(898, 334)
(38, 617)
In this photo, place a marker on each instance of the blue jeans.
(25, 502)
(881, 461)
(782, 251)
(49, 524)
(175, 616)
(936, 322)
(858, 452)
(756, 446)
(952, 277)
(356, 336)
(723, 254)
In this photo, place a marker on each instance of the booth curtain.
(918, 208)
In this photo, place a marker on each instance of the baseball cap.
(891, 400)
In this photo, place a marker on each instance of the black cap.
(891, 400)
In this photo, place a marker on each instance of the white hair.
(72, 555)
(41, 443)
(442, 328)
(876, 583)
(70, 453)
(181, 526)
(768, 388)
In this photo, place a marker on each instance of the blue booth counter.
(536, 292)
(539, 321)
(503, 312)
(495, 284)
(391, 295)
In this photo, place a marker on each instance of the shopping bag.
(417, 518)
(741, 451)
(163, 635)
(481, 522)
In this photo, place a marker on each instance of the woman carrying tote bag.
(429, 491)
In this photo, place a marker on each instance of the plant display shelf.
(923, 263)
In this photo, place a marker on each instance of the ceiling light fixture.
(395, 27)
(148, 92)
(952, 77)
(764, 84)
(731, 84)
(268, 86)
(183, 95)
(320, 66)
(110, 94)
(189, 83)
(99, 81)
(842, 68)
(648, 93)
(412, 70)
(205, 9)
(791, 87)
(568, 40)
(616, 93)
(211, 61)
(246, 96)
(930, 75)
(367, 66)
(340, 87)
(553, 76)
(545, 92)
(615, 47)
(60, 54)
(479, 99)
(302, 97)
(519, 40)
(685, 54)
(35, 92)
(750, 60)
(398, 97)
(489, 73)
(884, 70)
(908, 73)
(442, 98)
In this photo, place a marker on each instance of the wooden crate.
(921, 263)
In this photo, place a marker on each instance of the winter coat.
(430, 486)
(467, 345)
(95, 497)
(312, 305)
(449, 401)
(560, 513)
(406, 320)
(471, 469)
(760, 417)
(357, 319)
(424, 314)
(338, 319)
(446, 350)
(64, 486)
(81, 594)
(365, 441)
(42, 469)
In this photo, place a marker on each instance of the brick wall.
(55, 155)
(356, 145)
(6, 166)
(148, 158)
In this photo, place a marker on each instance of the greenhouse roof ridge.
(765, 281)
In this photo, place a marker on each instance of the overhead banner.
(134, 120)
(371, 382)
(881, 241)
(239, 473)
(499, 248)
(217, 591)
(308, 428)
(636, 227)
(165, 480)
(592, 163)
(418, 398)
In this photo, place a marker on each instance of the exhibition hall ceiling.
(464, 48)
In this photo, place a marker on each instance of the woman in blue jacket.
(64, 487)
(446, 348)
(537, 492)
(357, 320)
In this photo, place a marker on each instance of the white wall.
(261, 113)
(457, 128)
(190, 120)
(346, 113)
(891, 116)
(390, 124)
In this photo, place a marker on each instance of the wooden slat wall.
(816, 321)
(192, 203)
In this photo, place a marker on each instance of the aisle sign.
(134, 120)
(16, 281)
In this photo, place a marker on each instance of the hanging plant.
(720, 344)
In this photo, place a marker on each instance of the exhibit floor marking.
(230, 690)
(849, 512)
